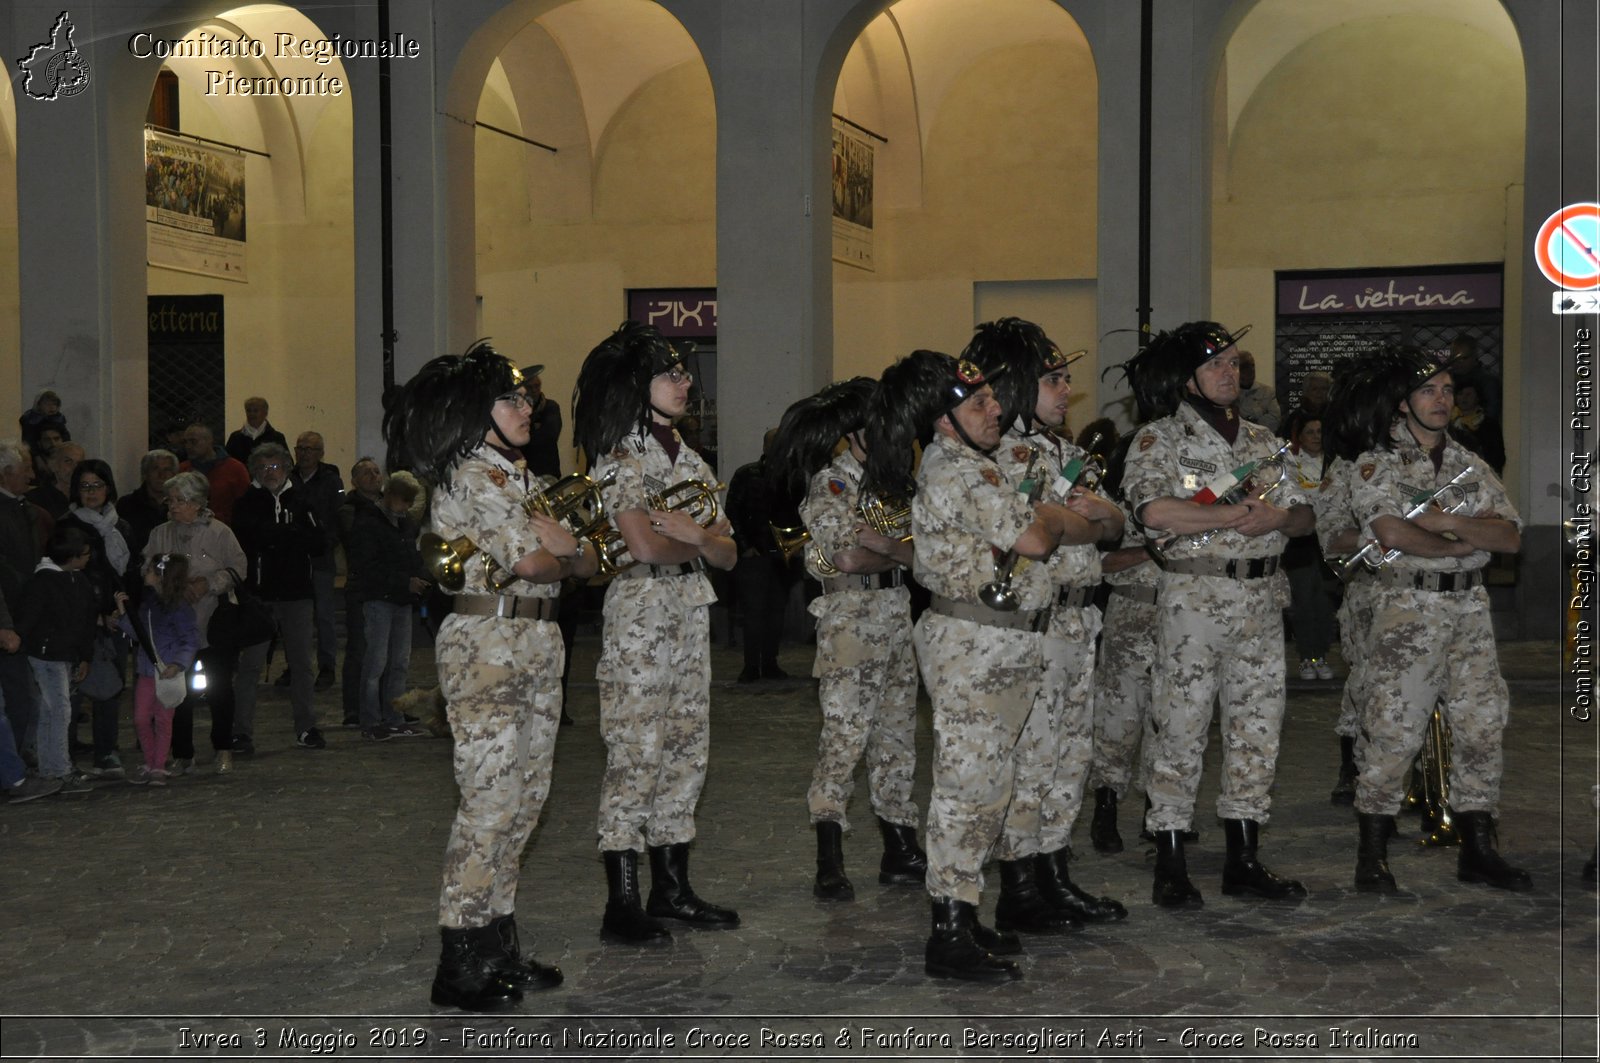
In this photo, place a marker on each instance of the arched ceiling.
(1274, 28)
(612, 48)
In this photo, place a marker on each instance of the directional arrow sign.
(1575, 302)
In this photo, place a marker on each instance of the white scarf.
(104, 521)
(254, 433)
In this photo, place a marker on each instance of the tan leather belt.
(1226, 567)
(506, 606)
(662, 571)
(978, 613)
(1432, 581)
(1074, 597)
(863, 581)
(1139, 592)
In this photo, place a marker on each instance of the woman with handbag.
(168, 638)
(215, 558)
(93, 495)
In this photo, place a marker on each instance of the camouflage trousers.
(1355, 625)
(655, 716)
(1053, 757)
(1218, 640)
(868, 691)
(983, 682)
(501, 680)
(1430, 648)
(1122, 694)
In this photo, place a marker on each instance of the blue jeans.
(55, 713)
(383, 671)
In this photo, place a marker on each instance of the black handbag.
(104, 680)
(241, 619)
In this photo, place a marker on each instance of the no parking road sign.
(1568, 247)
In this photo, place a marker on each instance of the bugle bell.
(790, 541)
(446, 559)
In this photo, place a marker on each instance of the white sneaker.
(1307, 669)
(1324, 669)
(139, 776)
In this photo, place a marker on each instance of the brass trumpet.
(1273, 468)
(1451, 489)
(574, 501)
(790, 541)
(1430, 785)
(997, 594)
(695, 497)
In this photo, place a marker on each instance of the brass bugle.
(889, 516)
(790, 541)
(696, 497)
(997, 593)
(573, 501)
(1368, 555)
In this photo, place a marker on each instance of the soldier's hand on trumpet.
(561, 546)
(1096, 509)
(885, 545)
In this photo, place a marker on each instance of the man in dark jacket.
(257, 429)
(366, 483)
(280, 536)
(386, 574)
(321, 489)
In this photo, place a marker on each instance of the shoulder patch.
(1020, 453)
(836, 486)
(1367, 469)
(497, 476)
(619, 454)
(991, 477)
(1146, 441)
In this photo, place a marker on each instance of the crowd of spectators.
(93, 584)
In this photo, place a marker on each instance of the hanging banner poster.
(194, 207)
(852, 197)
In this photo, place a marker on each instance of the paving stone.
(297, 896)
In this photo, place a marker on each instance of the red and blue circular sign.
(1568, 247)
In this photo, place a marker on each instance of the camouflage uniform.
(865, 663)
(655, 668)
(1429, 646)
(1052, 760)
(1219, 637)
(501, 679)
(1122, 674)
(983, 680)
(1332, 504)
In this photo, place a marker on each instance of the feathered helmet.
(913, 393)
(1361, 405)
(443, 413)
(1159, 373)
(811, 429)
(611, 398)
(1016, 353)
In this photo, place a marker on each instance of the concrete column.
(81, 241)
(1562, 64)
(773, 68)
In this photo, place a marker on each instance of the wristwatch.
(577, 555)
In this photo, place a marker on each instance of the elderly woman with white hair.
(215, 561)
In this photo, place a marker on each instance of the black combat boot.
(1344, 791)
(1103, 828)
(1172, 886)
(463, 980)
(1022, 907)
(671, 896)
(1243, 873)
(831, 884)
(502, 953)
(904, 863)
(1479, 862)
(953, 951)
(1057, 887)
(625, 919)
(1372, 858)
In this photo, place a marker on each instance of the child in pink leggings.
(167, 620)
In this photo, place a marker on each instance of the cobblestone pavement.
(291, 905)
